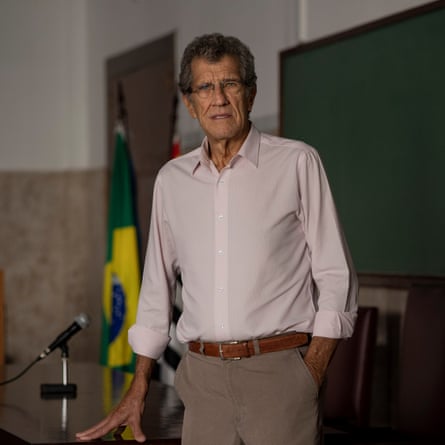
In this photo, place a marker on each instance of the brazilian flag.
(122, 269)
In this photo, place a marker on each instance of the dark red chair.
(347, 399)
(421, 389)
(420, 399)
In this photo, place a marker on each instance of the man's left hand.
(318, 356)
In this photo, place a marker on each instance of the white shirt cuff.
(146, 342)
(333, 324)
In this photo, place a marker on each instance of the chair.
(421, 389)
(420, 399)
(347, 398)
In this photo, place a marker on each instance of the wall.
(52, 198)
(52, 122)
(43, 88)
(323, 18)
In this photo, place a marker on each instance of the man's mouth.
(221, 116)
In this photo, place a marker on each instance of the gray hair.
(213, 47)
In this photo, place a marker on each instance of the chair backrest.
(421, 390)
(347, 399)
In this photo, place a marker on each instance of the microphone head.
(82, 320)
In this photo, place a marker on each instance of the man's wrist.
(318, 356)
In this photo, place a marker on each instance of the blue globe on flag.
(118, 309)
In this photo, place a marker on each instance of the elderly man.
(248, 222)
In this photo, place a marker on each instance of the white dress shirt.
(258, 246)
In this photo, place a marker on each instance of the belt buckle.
(231, 342)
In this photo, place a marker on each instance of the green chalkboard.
(372, 102)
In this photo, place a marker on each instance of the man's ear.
(189, 105)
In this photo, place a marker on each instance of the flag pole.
(122, 115)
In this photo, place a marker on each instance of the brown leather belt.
(235, 350)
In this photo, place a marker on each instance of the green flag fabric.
(122, 275)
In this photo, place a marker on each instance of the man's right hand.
(130, 409)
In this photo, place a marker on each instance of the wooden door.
(147, 77)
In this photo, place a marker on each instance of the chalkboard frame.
(367, 278)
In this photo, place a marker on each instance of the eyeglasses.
(230, 87)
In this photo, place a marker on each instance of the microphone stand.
(64, 389)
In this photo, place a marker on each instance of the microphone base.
(58, 390)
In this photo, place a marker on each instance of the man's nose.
(219, 95)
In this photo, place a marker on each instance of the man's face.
(224, 114)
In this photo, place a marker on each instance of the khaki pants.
(268, 399)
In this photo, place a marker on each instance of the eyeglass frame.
(207, 89)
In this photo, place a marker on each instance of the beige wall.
(52, 252)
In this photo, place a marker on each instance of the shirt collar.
(249, 150)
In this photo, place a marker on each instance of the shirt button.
(220, 252)
(220, 217)
(219, 289)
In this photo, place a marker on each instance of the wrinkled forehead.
(225, 68)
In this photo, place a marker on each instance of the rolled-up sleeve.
(149, 336)
(332, 268)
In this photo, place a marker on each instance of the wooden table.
(28, 418)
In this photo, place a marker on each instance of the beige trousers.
(269, 399)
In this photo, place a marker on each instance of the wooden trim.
(398, 281)
(392, 19)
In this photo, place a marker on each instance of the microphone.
(80, 322)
